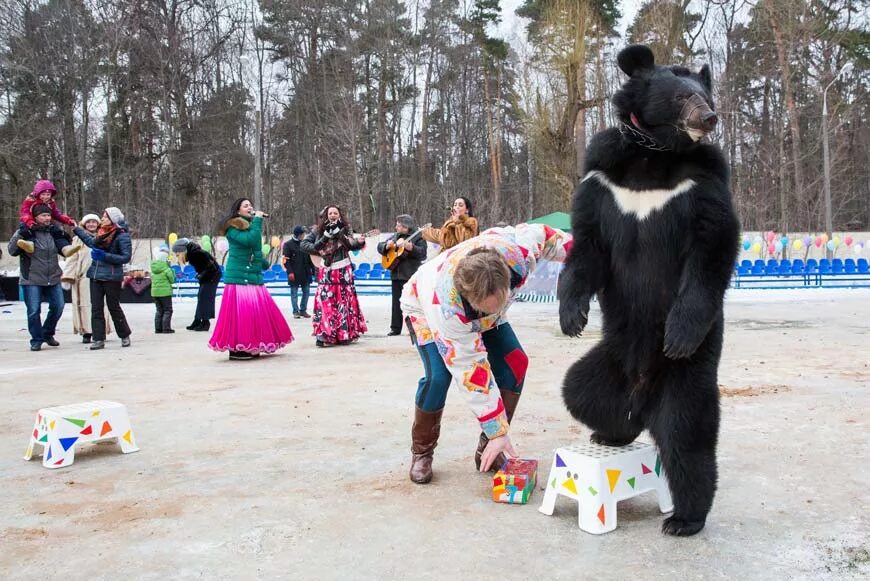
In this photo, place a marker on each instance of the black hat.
(38, 209)
(298, 230)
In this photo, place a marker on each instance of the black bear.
(655, 238)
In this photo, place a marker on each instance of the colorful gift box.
(515, 481)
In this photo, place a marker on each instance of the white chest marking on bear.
(641, 203)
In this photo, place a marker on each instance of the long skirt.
(249, 321)
(337, 316)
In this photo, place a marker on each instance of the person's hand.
(496, 446)
(259, 214)
(409, 246)
(98, 254)
(391, 245)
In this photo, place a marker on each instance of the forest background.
(170, 109)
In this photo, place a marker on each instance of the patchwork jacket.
(438, 314)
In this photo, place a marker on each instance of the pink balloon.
(771, 249)
(848, 241)
(770, 236)
(818, 241)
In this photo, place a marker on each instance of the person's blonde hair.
(482, 273)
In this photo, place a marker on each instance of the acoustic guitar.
(391, 258)
(317, 259)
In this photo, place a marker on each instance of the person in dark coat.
(111, 248)
(40, 277)
(406, 265)
(208, 274)
(300, 272)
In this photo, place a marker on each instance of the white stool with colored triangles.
(598, 477)
(59, 429)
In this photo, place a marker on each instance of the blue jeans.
(294, 289)
(506, 358)
(33, 296)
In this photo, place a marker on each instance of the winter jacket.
(162, 278)
(333, 250)
(410, 261)
(40, 268)
(297, 262)
(205, 265)
(25, 214)
(454, 231)
(245, 264)
(119, 253)
(439, 314)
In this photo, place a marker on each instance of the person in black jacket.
(208, 274)
(300, 272)
(405, 266)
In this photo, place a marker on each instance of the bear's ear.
(636, 60)
(706, 78)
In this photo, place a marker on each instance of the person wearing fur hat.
(43, 194)
(208, 274)
(405, 266)
(111, 248)
(162, 279)
(75, 275)
(300, 272)
(249, 322)
(40, 278)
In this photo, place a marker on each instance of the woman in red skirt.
(337, 316)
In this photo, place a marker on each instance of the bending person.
(455, 307)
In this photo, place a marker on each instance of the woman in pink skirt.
(249, 321)
(337, 316)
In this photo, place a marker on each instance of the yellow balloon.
(836, 240)
(798, 244)
(756, 248)
(275, 241)
(172, 238)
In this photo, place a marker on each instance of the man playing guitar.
(403, 254)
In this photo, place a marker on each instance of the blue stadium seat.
(747, 264)
(364, 267)
(863, 266)
(758, 269)
(797, 267)
(269, 276)
(837, 266)
(824, 266)
(772, 268)
(176, 269)
(277, 269)
(387, 275)
(744, 270)
(849, 266)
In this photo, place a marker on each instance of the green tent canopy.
(559, 220)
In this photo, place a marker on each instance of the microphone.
(265, 214)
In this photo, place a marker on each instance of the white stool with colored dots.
(59, 429)
(598, 477)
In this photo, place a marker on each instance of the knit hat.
(407, 221)
(43, 186)
(88, 218)
(115, 215)
(161, 255)
(297, 230)
(38, 209)
(181, 245)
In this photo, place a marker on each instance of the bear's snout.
(709, 120)
(697, 118)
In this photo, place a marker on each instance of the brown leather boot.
(510, 400)
(424, 438)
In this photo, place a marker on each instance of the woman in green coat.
(249, 321)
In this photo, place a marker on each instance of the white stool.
(597, 477)
(59, 429)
